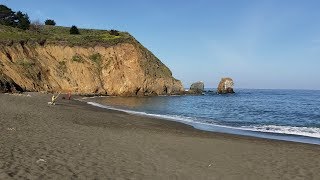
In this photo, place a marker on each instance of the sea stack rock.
(225, 86)
(197, 87)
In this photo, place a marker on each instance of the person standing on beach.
(69, 95)
(54, 98)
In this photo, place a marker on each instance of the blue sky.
(260, 44)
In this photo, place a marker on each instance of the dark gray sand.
(73, 140)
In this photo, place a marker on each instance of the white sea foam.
(288, 130)
(91, 97)
(303, 131)
(168, 117)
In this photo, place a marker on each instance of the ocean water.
(292, 115)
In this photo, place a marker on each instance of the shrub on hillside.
(96, 58)
(77, 58)
(50, 22)
(36, 26)
(62, 68)
(114, 32)
(74, 30)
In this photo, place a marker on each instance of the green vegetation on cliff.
(15, 27)
(37, 57)
(61, 35)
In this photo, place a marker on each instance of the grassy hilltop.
(37, 57)
(61, 35)
(51, 59)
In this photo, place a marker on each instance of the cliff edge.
(94, 62)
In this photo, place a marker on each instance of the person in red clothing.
(69, 95)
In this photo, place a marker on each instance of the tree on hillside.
(23, 21)
(7, 16)
(74, 30)
(50, 22)
(10, 18)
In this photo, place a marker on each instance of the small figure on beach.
(69, 95)
(53, 99)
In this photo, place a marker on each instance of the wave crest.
(311, 132)
(303, 131)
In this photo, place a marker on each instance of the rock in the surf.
(225, 86)
(197, 87)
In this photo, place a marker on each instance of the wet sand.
(73, 140)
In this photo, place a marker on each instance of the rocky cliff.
(122, 69)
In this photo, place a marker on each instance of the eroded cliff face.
(125, 69)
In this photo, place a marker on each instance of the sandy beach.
(73, 140)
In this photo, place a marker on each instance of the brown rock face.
(197, 87)
(125, 69)
(7, 85)
(225, 86)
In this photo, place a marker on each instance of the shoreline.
(214, 128)
(77, 140)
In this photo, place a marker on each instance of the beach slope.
(73, 140)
